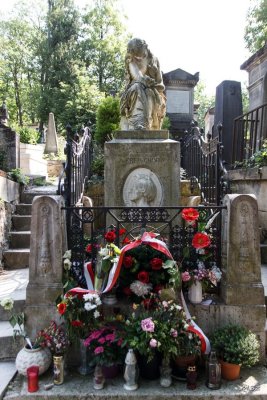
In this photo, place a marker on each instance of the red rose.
(128, 261)
(61, 307)
(76, 323)
(143, 276)
(156, 263)
(200, 240)
(158, 288)
(126, 241)
(122, 231)
(88, 248)
(148, 303)
(110, 236)
(190, 214)
(127, 291)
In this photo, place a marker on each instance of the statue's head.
(137, 47)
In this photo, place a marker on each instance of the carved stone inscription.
(177, 101)
(142, 188)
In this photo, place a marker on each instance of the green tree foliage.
(256, 29)
(205, 102)
(107, 119)
(16, 65)
(104, 45)
(57, 55)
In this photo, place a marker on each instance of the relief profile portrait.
(142, 189)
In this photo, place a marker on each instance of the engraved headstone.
(48, 244)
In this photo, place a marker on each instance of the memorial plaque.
(177, 102)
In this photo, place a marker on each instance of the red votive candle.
(33, 375)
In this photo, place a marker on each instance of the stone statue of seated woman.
(143, 103)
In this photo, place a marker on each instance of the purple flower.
(99, 349)
(153, 343)
(147, 325)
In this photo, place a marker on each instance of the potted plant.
(105, 347)
(236, 346)
(157, 330)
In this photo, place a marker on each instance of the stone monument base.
(142, 158)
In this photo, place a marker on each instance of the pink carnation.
(102, 340)
(174, 332)
(99, 349)
(110, 337)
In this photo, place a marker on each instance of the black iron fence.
(129, 222)
(249, 132)
(79, 151)
(204, 165)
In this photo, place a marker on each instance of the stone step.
(20, 240)
(16, 258)
(13, 285)
(7, 372)
(21, 222)
(23, 209)
(28, 196)
(250, 386)
(9, 346)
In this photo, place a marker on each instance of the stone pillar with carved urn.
(48, 244)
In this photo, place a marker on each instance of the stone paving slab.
(13, 284)
(251, 385)
(7, 371)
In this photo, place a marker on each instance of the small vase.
(230, 371)
(195, 293)
(58, 369)
(165, 373)
(84, 368)
(99, 379)
(110, 298)
(27, 357)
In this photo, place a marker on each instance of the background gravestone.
(228, 106)
(51, 145)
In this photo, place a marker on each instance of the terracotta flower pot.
(230, 372)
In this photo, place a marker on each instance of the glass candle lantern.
(213, 372)
(33, 378)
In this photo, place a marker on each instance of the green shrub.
(107, 119)
(98, 165)
(18, 176)
(236, 344)
(28, 135)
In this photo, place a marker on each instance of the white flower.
(67, 264)
(67, 254)
(96, 314)
(7, 303)
(98, 301)
(185, 325)
(140, 289)
(190, 336)
(103, 252)
(88, 297)
(89, 306)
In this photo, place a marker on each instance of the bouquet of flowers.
(162, 327)
(105, 346)
(201, 269)
(81, 309)
(146, 267)
(54, 337)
